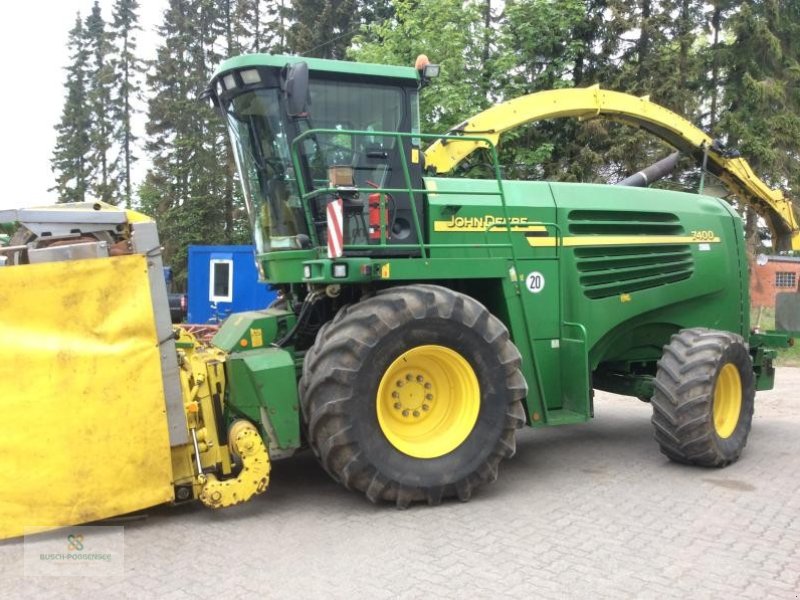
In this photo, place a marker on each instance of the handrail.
(306, 195)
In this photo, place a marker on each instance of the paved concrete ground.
(583, 511)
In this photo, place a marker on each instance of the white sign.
(534, 282)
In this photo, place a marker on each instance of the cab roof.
(318, 64)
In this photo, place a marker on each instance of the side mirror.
(294, 79)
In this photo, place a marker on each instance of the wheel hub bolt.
(395, 395)
(425, 407)
(428, 396)
(427, 386)
(398, 406)
(420, 379)
(409, 377)
(399, 383)
(405, 413)
(416, 413)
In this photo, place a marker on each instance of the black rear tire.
(339, 387)
(694, 365)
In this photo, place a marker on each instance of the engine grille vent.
(613, 270)
(623, 222)
(610, 270)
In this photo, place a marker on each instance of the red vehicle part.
(374, 205)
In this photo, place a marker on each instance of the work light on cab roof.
(426, 70)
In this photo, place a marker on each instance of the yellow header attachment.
(592, 102)
(84, 435)
(104, 411)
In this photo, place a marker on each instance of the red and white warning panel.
(335, 237)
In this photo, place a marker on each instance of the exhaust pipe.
(652, 173)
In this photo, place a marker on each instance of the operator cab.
(324, 130)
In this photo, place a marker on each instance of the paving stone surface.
(583, 511)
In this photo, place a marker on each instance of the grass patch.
(789, 357)
(764, 318)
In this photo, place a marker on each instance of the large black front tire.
(703, 376)
(340, 381)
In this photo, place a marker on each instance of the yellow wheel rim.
(428, 401)
(727, 400)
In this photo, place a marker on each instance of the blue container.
(224, 280)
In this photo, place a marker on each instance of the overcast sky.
(33, 38)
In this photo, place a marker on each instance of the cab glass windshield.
(261, 135)
(262, 157)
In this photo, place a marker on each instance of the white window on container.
(785, 279)
(220, 287)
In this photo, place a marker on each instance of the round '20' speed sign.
(534, 282)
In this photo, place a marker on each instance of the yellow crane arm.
(591, 102)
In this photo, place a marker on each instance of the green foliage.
(128, 71)
(101, 81)
(538, 51)
(183, 187)
(449, 33)
(191, 188)
(94, 148)
(762, 111)
(752, 89)
(322, 28)
(731, 66)
(70, 161)
(259, 26)
(537, 48)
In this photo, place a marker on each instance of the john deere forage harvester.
(422, 319)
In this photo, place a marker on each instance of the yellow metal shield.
(83, 427)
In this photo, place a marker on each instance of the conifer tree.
(322, 28)
(128, 69)
(184, 189)
(260, 26)
(241, 27)
(166, 187)
(761, 116)
(71, 156)
(713, 62)
(650, 65)
(687, 29)
(101, 82)
(760, 111)
(715, 57)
